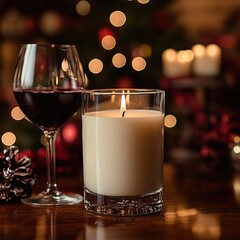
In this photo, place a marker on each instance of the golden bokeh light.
(50, 22)
(236, 149)
(119, 60)
(108, 42)
(143, 1)
(95, 66)
(17, 114)
(83, 7)
(145, 50)
(8, 138)
(117, 18)
(236, 139)
(139, 63)
(170, 121)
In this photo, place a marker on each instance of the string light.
(117, 18)
(95, 66)
(108, 42)
(17, 114)
(170, 121)
(138, 63)
(83, 7)
(8, 138)
(119, 60)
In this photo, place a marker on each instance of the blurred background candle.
(123, 149)
(177, 63)
(207, 60)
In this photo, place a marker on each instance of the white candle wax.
(123, 155)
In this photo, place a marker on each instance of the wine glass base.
(43, 199)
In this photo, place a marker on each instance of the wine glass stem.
(51, 162)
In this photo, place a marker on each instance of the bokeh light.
(17, 114)
(108, 42)
(236, 139)
(119, 60)
(12, 23)
(236, 149)
(50, 22)
(95, 66)
(138, 63)
(117, 18)
(83, 7)
(145, 50)
(8, 138)
(143, 1)
(70, 133)
(104, 32)
(170, 121)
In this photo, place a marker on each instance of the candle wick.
(123, 113)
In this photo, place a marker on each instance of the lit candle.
(177, 63)
(207, 60)
(122, 153)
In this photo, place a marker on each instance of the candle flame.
(123, 105)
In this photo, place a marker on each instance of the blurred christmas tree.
(119, 43)
(138, 29)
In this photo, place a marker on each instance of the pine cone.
(16, 176)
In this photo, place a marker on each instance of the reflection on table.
(197, 205)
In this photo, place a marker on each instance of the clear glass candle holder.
(123, 151)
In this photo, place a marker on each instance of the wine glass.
(48, 84)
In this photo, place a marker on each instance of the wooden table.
(196, 206)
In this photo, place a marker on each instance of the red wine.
(48, 110)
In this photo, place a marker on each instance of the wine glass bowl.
(48, 84)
